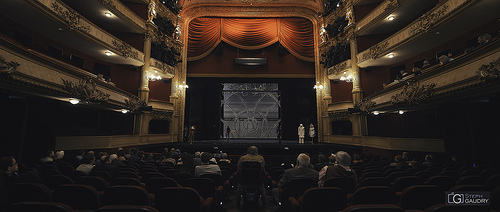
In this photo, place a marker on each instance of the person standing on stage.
(311, 132)
(191, 134)
(301, 132)
(278, 133)
(228, 131)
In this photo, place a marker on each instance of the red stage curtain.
(295, 34)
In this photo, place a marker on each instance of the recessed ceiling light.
(108, 53)
(107, 14)
(401, 112)
(74, 101)
(390, 18)
(376, 112)
(391, 55)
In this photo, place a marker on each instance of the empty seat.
(52, 181)
(402, 183)
(156, 183)
(181, 200)
(126, 208)
(204, 186)
(374, 195)
(445, 182)
(125, 195)
(395, 175)
(104, 175)
(374, 181)
(74, 174)
(320, 199)
(420, 197)
(78, 197)
(493, 181)
(22, 192)
(125, 181)
(470, 180)
(347, 184)
(373, 208)
(146, 176)
(39, 207)
(97, 182)
(180, 178)
(126, 174)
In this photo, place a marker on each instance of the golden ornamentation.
(413, 93)
(251, 12)
(336, 69)
(72, 18)
(161, 114)
(86, 90)
(426, 21)
(134, 104)
(375, 51)
(108, 2)
(125, 49)
(489, 71)
(163, 67)
(7, 68)
(365, 105)
(340, 116)
(393, 4)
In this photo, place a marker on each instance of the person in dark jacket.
(340, 169)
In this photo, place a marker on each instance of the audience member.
(197, 158)
(169, 160)
(417, 71)
(340, 169)
(224, 159)
(252, 154)
(443, 59)
(58, 157)
(357, 160)
(429, 161)
(398, 162)
(187, 164)
(48, 157)
(302, 170)
(484, 39)
(206, 167)
(322, 162)
(116, 161)
(10, 173)
(105, 165)
(426, 64)
(87, 163)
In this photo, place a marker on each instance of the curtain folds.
(295, 34)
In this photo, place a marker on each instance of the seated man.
(302, 170)
(252, 154)
(206, 167)
(340, 169)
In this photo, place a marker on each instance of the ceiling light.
(401, 112)
(390, 18)
(107, 14)
(74, 101)
(375, 113)
(124, 111)
(391, 55)
(108, 53)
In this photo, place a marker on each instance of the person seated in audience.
(429, 161)
(416, 71)
(484, 39)
(302, 170)
(187, 164)
(150, 158)
(169, 160)
(87, 163)
(398, 161)
(403, 73)
(206, 167)
(116, 161)
(197, 158)
(357, 160)
(49, 157)
(426, 64)
(105, 165)
(252, 154)
(224, 159)
(59, 157)
(9, 173)
(340, 169)
(322, 162)
(443, 59)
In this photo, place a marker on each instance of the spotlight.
(74, 101)
(108, 53)
(391, 55)
(401, 112)
(124, 111)
(375, 113)
(107, 14)
(390, 18)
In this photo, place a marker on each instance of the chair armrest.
(207, 204)
(294, 203)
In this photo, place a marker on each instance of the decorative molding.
(426, 21)
(413, 93)
(72, 18)
(86, 90)
(489, 71)
(125, 49)
(161, 114)
(375, 50)
(365, 105)
(393, 4)
(134, 104)
(108, 3)
(7, 68)
(336, 69)
(165, 68)
(340, 116)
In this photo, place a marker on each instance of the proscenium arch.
(276, 11)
